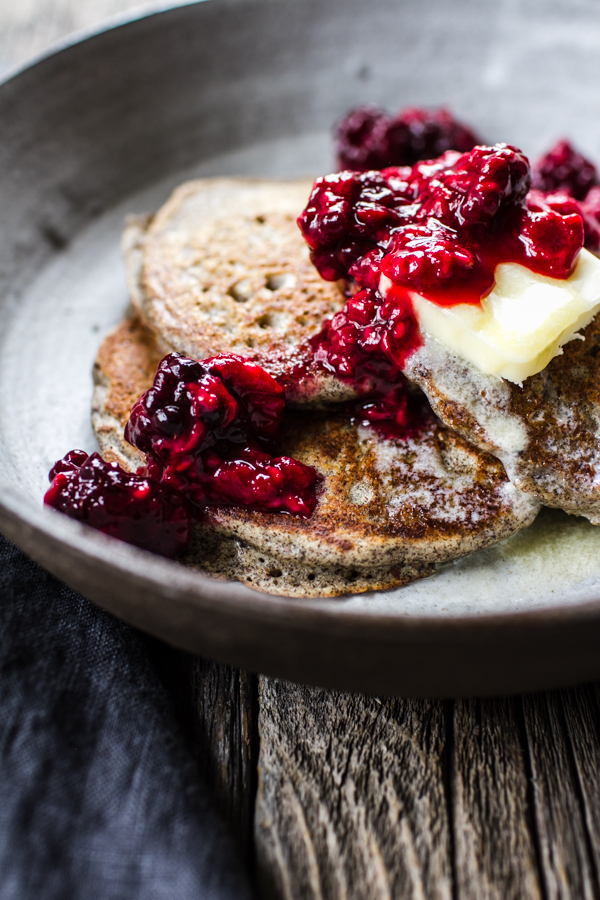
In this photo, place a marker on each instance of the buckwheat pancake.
(124, 369)
(222, 267)
(427, 499)
(546, 432)
(385, 504)
(227, 557)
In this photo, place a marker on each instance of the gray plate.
(108, 126)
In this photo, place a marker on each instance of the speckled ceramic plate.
(108, 125)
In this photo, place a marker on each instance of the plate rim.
(111, 22)
(233, 596)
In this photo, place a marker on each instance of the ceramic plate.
(108, 125)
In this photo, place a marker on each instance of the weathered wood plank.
(581, 708)
(226, 741)
(494, 847)
(351, 800)
(566, 868)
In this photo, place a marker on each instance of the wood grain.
(494, 846)
(565, 861)
(361, 797)
(582, 721)
(351, 800)
(225, 741)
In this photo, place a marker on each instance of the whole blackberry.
(369, 138)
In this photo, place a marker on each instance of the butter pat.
(522, 323)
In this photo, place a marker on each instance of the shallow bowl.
(107, 125)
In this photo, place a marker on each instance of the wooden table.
(341, 796)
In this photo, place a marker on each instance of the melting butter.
(523, 322)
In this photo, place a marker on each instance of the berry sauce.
(567, 182)
(134, 508)
(365, 345)
(206, 430)
(368, 138)
(564, 169)
(438, 228)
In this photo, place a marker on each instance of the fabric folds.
(99, 795)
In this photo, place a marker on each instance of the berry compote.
(206, 430)
(365, 345)
(438, 228)
(564, 169)
(369, 138)
(134, 508)
(566, 181)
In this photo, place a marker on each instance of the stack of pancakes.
(222, 267)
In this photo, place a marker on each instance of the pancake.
(546, 432)
(227, 557)
(124, 369)
(385, 504)
(423, 500)
(222, 267)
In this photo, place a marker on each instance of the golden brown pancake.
(546, 432)
(124, 369)
(224, 556)
(222, 267)
(395, 507)
(427, 499)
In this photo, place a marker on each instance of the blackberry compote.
(369, 138)
(564, 180)
(564, 169)
(365, 345)
(206, 430)
(133, 508)
(438, 228)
